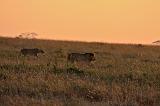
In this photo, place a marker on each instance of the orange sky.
(132, 21)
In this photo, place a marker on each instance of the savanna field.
(122, 75)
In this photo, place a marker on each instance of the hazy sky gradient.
(133, 21)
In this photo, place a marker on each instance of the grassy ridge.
(126, 75)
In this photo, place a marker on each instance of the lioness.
(79, 57)
(31, 52)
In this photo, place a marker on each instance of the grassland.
(122, 75)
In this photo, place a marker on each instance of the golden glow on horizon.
(134, 21)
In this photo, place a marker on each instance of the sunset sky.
(120, 21)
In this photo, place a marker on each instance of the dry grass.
(122, 75)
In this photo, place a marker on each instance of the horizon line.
(105, 42)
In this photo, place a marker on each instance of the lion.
(31, 52)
